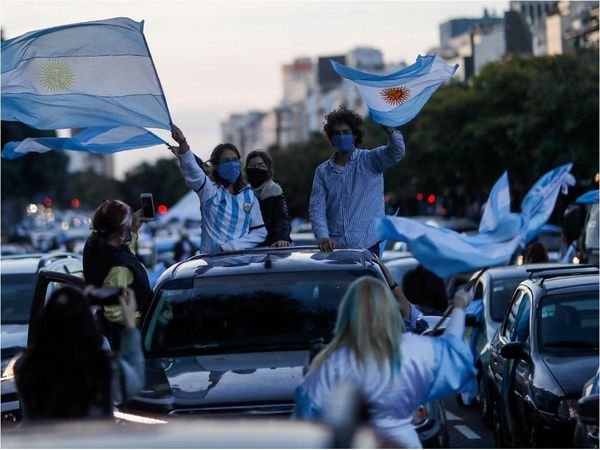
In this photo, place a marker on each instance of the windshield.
(17, 296)
(502, 291)
(245, 313)
(591, 228)
(569, 323)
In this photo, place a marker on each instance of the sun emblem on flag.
(395, 95)
(57, 75)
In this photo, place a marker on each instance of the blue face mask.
(343, 142)
(229, 171)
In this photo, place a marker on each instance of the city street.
(465, 426)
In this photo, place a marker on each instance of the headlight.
(9, 372)
(567, 409)
(421, 415)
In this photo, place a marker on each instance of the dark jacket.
(273, 208)
(97, 262)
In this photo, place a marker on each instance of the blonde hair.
(368, 323)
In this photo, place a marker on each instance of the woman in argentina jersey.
(231, 218)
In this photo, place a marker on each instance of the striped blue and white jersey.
(346, 200)
(229, 221)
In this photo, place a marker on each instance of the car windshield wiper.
(575, 344)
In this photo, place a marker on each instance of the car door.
(48, 282)
(518, 371)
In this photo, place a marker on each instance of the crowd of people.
(94, 352)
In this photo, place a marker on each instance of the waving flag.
(397, 98)
(94, 140)
(497, 206)
(82, 75)
(446, 252)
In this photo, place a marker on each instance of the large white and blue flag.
(94, 140)
(396, 98)
(446, 252)
(82, 75)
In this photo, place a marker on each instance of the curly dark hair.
(347, 116)
(266, 159)
(215, 157)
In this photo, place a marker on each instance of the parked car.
(494, 289)
(19, 275)
(303, 238)
(227, 335)
(588, 406)
(540, 358)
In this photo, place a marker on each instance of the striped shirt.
(346, 200)
(229, 221)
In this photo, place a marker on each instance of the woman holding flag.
(231, 218)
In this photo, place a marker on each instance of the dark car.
(494, 289)
(544, 352)
(588, 407)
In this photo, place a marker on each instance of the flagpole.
(156, 73)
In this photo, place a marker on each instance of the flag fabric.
(94, 140)
(497, 206)
(397, 98)
(446, 252)
(82, 75)
(589, 197)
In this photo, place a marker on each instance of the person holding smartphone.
(109, 260)
(231, 217)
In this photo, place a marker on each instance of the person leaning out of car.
(65, 373)
(259, 173)
(109, 260)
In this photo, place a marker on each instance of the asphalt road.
(465, 426)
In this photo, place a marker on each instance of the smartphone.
(105, 296)
(147, 206)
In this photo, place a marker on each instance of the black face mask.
(256, 177)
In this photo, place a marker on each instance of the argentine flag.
(397, 98)
(94, 140)
(82, 75)
(446, 252)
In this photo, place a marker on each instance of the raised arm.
(405, 306)
(384, 157)
(194, 176)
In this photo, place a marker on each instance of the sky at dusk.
(222, 57)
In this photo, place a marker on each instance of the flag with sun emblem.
(397, 98)
(82, 75)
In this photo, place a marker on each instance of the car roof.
(565, 284)
(514, 271)
(32, 262)
(258, 260)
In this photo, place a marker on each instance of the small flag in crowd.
(82, 75)
(94, 140)
(446, 252)
(397, 98)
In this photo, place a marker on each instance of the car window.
(591, 228)
(502, 291)
(519, 331)
(568, 323)
(512, 314)
(247, 313)
(17, 296)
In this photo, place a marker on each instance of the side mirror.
(471, 321)
(587, 409)
(515, 350)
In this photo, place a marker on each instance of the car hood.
(247, 383)
(13, 335)
(572, 372)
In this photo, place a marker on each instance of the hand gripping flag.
(446, 252)
(94, 140)
(82, 75)
(397, 98)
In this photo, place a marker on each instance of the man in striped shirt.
(347, 191)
